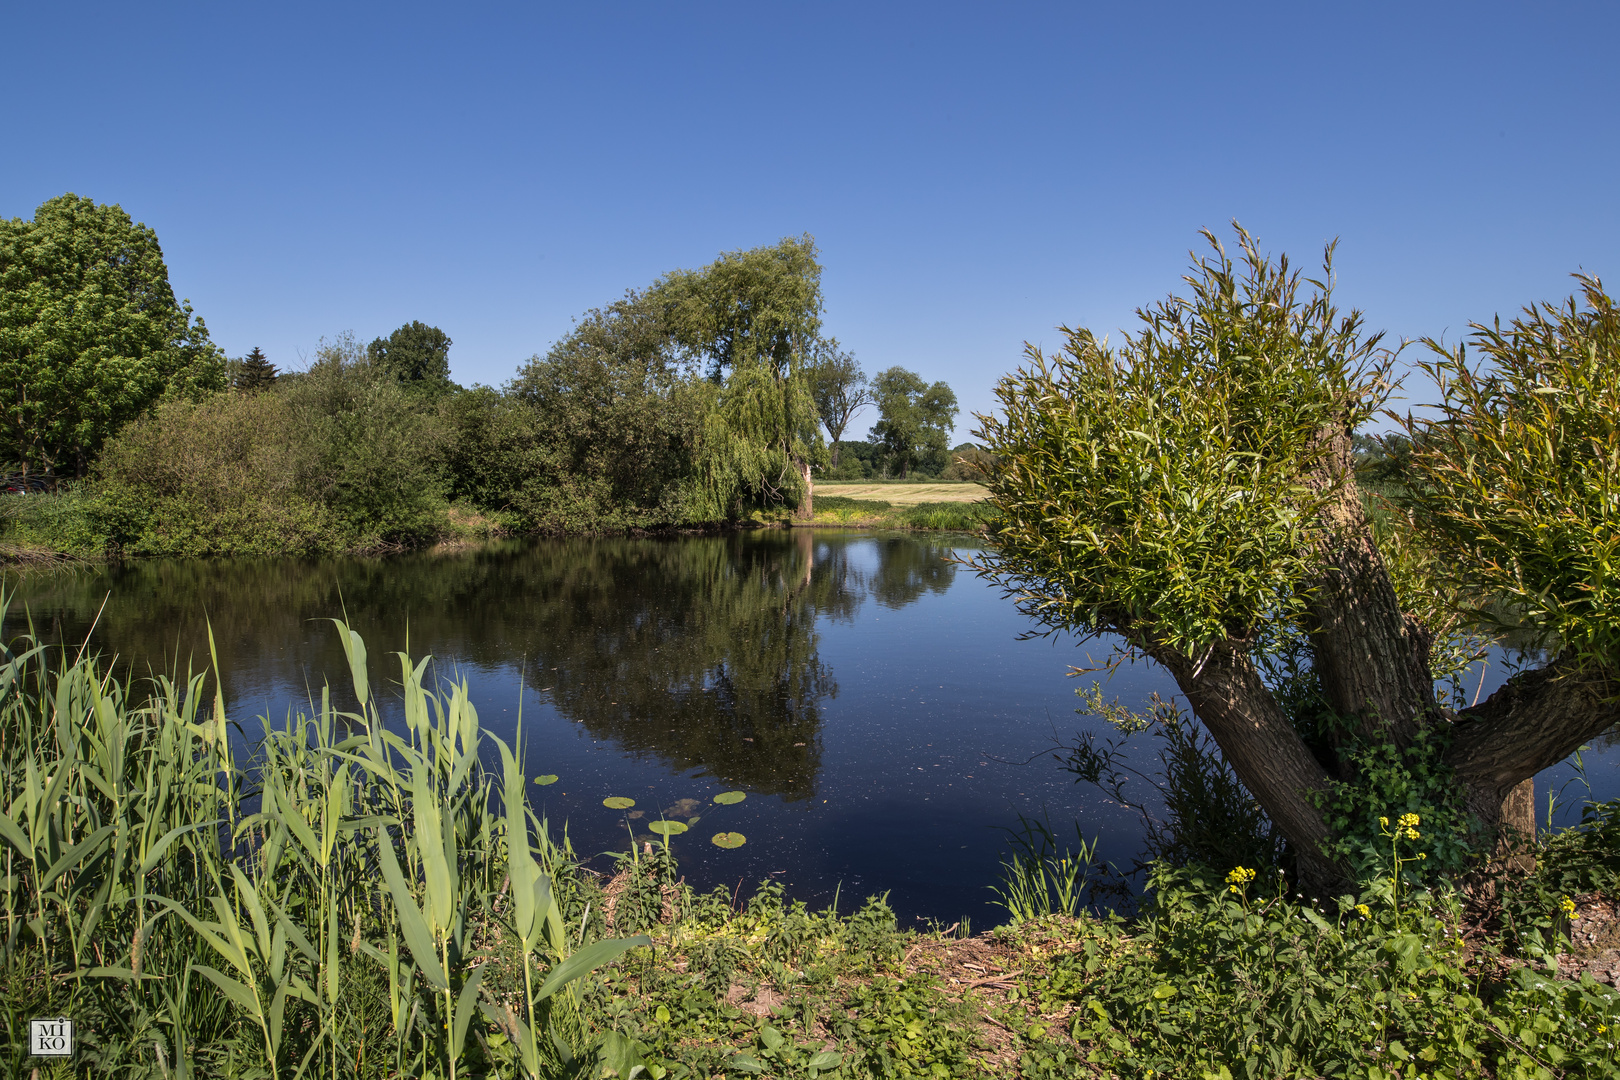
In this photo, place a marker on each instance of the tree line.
(698, 399)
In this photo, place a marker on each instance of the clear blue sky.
(975, 174)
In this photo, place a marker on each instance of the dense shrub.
(337, 458)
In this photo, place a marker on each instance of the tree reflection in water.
(701, 652)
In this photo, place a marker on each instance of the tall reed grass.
(328, 907)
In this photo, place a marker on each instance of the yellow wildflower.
(1409, 820)
(1366, 912)
(1567, 905)
(1384, 821)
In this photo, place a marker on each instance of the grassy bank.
(363, 901)
(79, 524)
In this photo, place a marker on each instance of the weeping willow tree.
(752, 318)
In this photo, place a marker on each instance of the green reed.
(327, 908)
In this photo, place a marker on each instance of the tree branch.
(1535, 720)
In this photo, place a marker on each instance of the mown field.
(903, 494)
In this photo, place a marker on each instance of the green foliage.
(1391, 782)
(252, 373)
(336, 458)
(68, 521)
(1208, 816)
(1573, 862)
(1233, 979)
(1159, 486)
(230, 476)
(90, 333)
(611, 435)
(840, 390)
(916, 420)
(1040, 880)
(754, 317)
(1515, 483)
(857, 460)
(970, 463)
(416, 354)
(329, 910)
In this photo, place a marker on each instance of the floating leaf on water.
(637, 815)
(618, 802)
(549, 778)
(667, 828)
(694, 820)
(728, 839)
(726, 798)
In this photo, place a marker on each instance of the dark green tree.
(254, 372)
(90, 333)
(916, 418)
(415, 354)
(840, 390)
(617, 423)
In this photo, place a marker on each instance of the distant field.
(905, 494)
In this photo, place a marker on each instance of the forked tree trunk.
(1372, 660)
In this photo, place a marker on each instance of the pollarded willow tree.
(1190, 489)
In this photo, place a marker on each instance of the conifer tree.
(255, 373)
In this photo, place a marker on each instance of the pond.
(880, 706)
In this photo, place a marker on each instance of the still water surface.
(877, 703)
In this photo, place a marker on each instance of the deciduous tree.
(90, 333)
(1191, 489)
(916, 418)
(840, 390)
(416, 354)
(753, 318)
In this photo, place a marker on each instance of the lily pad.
(726, 798)
(667, 828)
(728, 839)
(618, 802)
(549, 778)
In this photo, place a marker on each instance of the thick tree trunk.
(1372, 660)
(806, 508)
(1263, 748)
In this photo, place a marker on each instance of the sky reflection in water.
(873, 699)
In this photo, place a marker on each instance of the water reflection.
(701, 653)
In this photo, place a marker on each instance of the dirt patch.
(1594, 937)
(761, 1003)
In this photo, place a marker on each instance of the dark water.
(873, 699)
